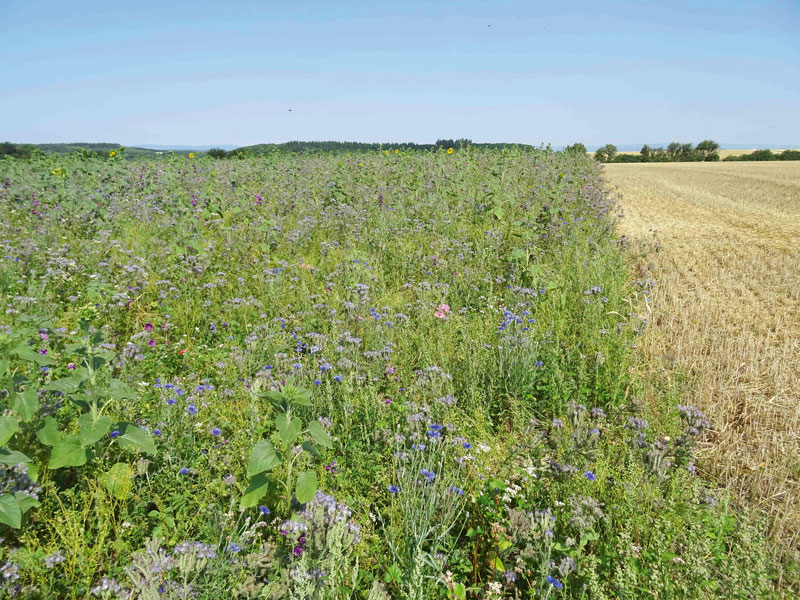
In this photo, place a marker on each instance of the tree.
(707, 150)
(606, 153)
(646, 152)
(217, 153)
(577, 148)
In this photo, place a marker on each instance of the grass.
(397, 375)
(726, 310)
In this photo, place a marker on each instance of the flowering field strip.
(399, 375)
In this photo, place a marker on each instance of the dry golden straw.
(725, 312)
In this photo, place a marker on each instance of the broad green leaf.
(504, 545)
(67, 385)
(48, 432)
(499, 212)
(3, 367)
(319, 435)
(287, 428)
(259, 485)
(118, 480)
(25, 352)
(10, 458)
(10, 514)
(92, 431)
(8, 427)
(118, 389)
(133, 436)
(263, 458)
(311, 449)
(496, 564)
(306, 487)
(26, 404)
(25, 502)
(460, 591)
(68, 452)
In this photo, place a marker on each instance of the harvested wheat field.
(725, 314)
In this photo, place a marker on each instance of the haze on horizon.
(200, 73)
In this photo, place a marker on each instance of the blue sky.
(196, 73)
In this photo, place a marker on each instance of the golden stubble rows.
(726, 312)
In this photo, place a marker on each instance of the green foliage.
(407, 374)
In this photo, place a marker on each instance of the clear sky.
(200, 72)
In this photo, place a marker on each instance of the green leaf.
(25, 502)
(133, 436)
(259, 485)
(3, 367)
(10, 514)
(460, 591)
(499, 212)
(92, 431)
(306, 487)
(311, 449)
(118, 481)
(48, 432)
(263, 458)
(10, 458)
(26, 404)
(496, 564)
(8, 427)
(287, 428)
(319, 435)
(67, 385)
(118, 389)
(68, 452)
(25, 352)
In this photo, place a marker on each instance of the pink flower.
(442, 311)
(148, 327)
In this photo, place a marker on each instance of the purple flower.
(264, 510)
(337, 377)
(171, 401)
(394, 489)
(429, 475)
(456, 490)
(113, 434)
(234, 547)
(43, 351)
(216, 431)
(590, 476)
(298, 551)
(184, 471)
(466, 445)
(156, 432)
(554, 582)
(191, 409)
(151, 343)
(148, 327)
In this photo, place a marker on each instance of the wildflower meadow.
(396, 374)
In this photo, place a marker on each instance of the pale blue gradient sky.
(203, 72)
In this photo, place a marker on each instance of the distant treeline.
(767, 155)
(705, 151)
(85, 148)
(355, 147)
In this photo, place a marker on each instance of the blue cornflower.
(590, 476)
(388, 323)
(554, 582)
(434, 434)
(267, 367)
(234, 547)
(435, 427)
(466, 445)
(393, 489)
(156, 432)
(171, 401)
(169, 386)
(418, 447)
(297, 366)
(594, 431)
(113, 434)
(456, 490)
(337, 377)
(429, 475)
(191, 409)
(184, 471)
(264, 510)
(317, 381)
(538, 363)
(180, 391)
(216, 431)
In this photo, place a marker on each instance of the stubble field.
(726, 314)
